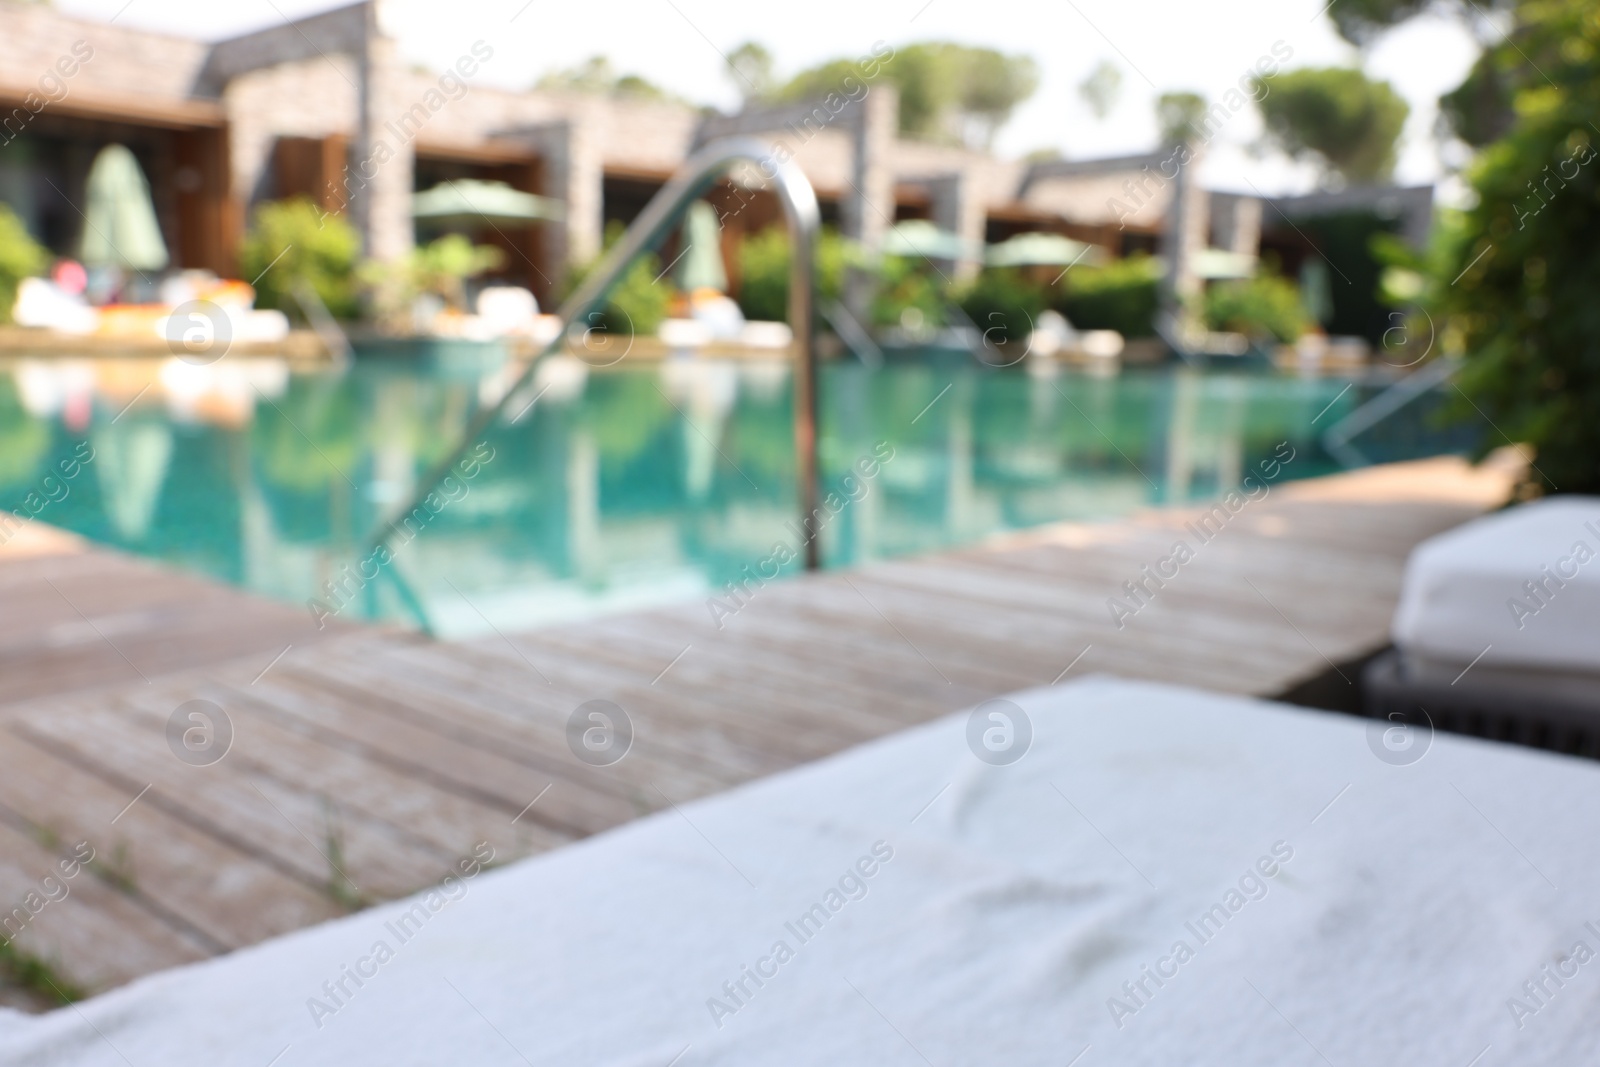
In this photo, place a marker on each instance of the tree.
(1514, 287)
(948, 92)
(752, 69)
(1362, 21)
(992, 85)
(1510, 281)
(596, 75)
(1101, 88)
(1479, 110)
(1335, 115)
(1179, 116)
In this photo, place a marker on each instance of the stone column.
(383, 163)
(958, 207)
(867, 209)
(1184, 235)
(1237, 222)
(574, 173)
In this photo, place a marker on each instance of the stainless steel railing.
(1336, 438)
(663, 212)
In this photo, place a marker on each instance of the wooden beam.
(491, 153)
(132, 108)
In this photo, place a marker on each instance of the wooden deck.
(365, 762)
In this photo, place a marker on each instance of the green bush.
(316, 249)
(638, 303)
(1124, 295)
(764, 272)
(1003, 303)
(1517, 281)
(440, 268)
(905, 282)
(20, 257)
(1267, 305)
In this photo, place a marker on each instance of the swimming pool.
(615, 488)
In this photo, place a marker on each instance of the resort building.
(325, 107)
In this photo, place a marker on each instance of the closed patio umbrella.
(701, 266)
(120, 228)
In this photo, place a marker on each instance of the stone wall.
(304, 98)
(339, 74)
(125, 62)
(343, 31)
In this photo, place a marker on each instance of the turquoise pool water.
(616, 488)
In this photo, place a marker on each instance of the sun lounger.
(1165, 876)
(1498, 628)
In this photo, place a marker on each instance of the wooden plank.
(245, 794)
(425, 747)
(199, 882)
(442, 822)
(78, 617)
(680, 739)
(508, 778)
(94, 933)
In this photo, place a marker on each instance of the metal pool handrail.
(697, 175)
(1336, 438)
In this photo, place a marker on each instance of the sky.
(1157, 46)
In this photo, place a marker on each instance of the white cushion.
(1522, 583)
(1395, 925)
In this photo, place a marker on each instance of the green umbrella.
(701, 265)
(1042, 249)
(469, 199)
(120, 228)
(1218, 263)
(919, 237)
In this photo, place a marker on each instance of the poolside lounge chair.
(1498, 628)
(1165, 876)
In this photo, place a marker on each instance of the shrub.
(1267, 305)
(638, 302)
(291, 243)
(1003, 303)
(1124, 295)
(440, 268)
(764, 272)
(905, 282)
(20, 257)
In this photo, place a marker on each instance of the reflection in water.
(614, 488)
(131, 460)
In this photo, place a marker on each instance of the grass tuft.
(339, 887)
(40, 979)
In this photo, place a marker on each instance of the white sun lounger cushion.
(1327, 892)
(1523, 584)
